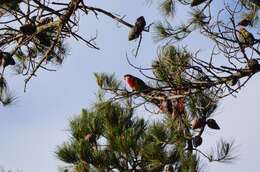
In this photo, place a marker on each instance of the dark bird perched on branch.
(137, 29)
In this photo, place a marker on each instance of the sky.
(37, 123)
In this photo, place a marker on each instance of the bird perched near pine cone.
(137, 29)
(135, 83)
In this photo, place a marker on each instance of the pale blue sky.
(37, 123)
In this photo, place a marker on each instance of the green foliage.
(67, 153)
(162, 32)
(10, 5)
(167, 7)
(110, 137)
(106, 81)
(171, 64)
(123, 142)
(202, 104)
(198, 19)
(225, 152)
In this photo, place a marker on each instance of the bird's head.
(127, 77)
(242, 29)
(130, 79)
(140, 19)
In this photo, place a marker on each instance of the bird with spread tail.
(136, 84)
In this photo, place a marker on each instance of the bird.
(197, 2)
(140, 22)
(135, 83)
(245, 22)
(247, 19)
(246, 37)
(137, 28)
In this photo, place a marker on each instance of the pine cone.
(6, 59)
(197, 141)
(28, 29)
(252, 64)
(197, 123)
(212, 124)
(44, 39)
(234, 81)
(197, 2)
(166, 107)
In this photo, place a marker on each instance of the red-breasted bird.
(135, 83)
(245, 36)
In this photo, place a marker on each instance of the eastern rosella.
(245, 36)
(197, 2)
(135, 83)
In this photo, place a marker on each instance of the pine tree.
(109, 137)
(184, 88)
